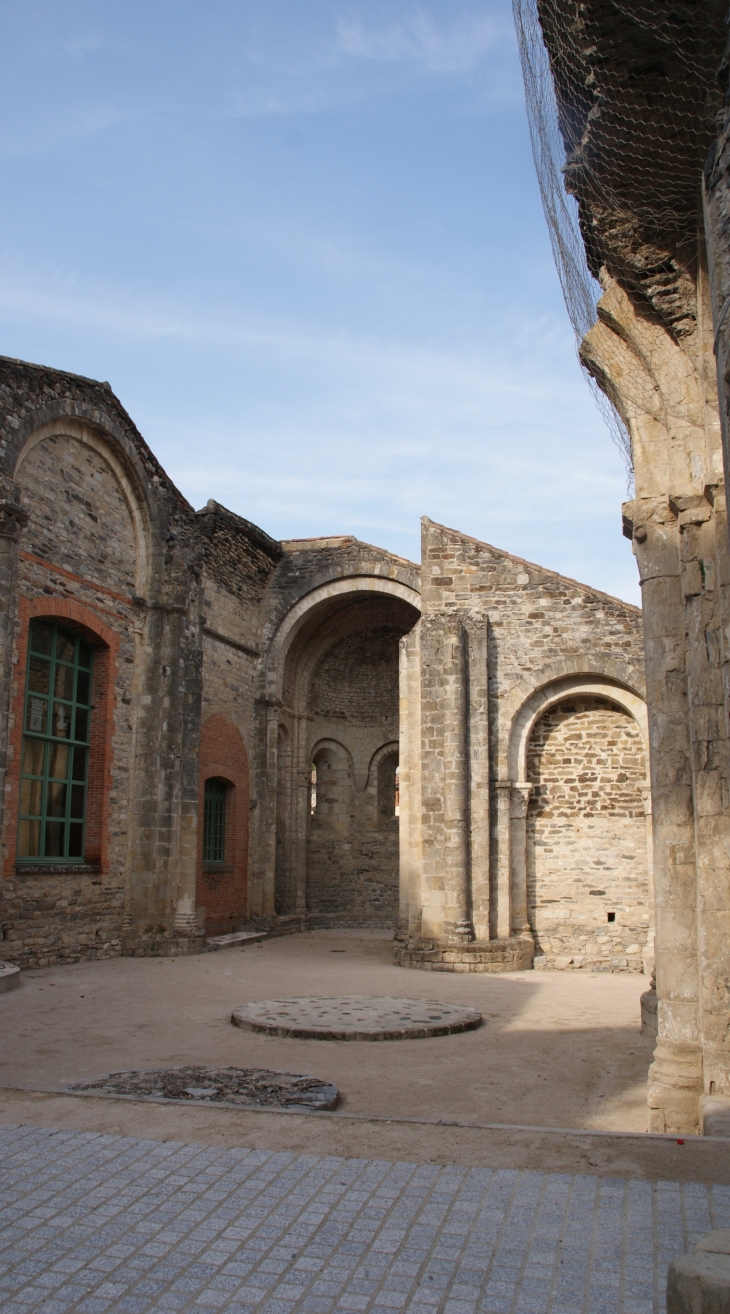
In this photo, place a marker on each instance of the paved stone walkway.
(356, 1017)
(104, 1223)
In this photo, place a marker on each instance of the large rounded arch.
(105, 447)
(331, 676)
(580, 840)
(579, 684)
(323, 599)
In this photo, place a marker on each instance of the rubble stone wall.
(77, 563)
(587, 877)
(352, 847)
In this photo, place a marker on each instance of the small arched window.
(56, 738)
(388, 788)
(313, 789)
(214, 821)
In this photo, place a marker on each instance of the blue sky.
(304, 243)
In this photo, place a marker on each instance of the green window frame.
(55, 750)
(214, 821)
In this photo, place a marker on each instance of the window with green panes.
(55, 753)
(214, 821)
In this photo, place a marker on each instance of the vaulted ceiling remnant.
(638, 96)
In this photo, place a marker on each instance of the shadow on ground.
(555, 1050)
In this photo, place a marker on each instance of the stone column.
(477, 733)
(445, 780)
(455, 697)
(675, 1077)
(270, 710)
(501, 911)
(519, 802)
(301, 808)
(12, 519)
(163, 848)
(409, 765)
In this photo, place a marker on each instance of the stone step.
(234, 938)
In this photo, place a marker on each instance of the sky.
(304, 243)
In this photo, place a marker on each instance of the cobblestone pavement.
(95, 1223)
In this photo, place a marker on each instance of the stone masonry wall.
(538, 627)
(587, 880)
(77, 559)
(352, 850)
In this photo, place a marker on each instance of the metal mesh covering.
(622, 97)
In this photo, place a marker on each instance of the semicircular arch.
(106, 447)
(303, 610)
(587, 685)
(391, 749)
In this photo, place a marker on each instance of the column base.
(675, 1087)
(509, 955)
(161, 945)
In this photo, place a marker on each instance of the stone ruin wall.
(587, 859)
(78, 548)
(240, 560)
(539, 627)
(352, 848)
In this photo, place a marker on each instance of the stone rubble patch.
(355, 1017)
(234, 1086)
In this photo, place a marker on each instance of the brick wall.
(587, 837)
(221, 894)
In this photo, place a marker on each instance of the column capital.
(13, 518)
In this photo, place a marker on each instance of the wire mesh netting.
(622, 98)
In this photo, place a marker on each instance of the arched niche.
(515, 792)
(333, 668)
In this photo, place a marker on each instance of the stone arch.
(107, 448)
(582, 684)
(335, 781)
(615, 682)
(318, 633)
(391, 748)
(549, 870)
(339, 589)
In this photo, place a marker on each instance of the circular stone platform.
(9, 976)
(355, 1017)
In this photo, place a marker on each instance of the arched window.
(388, 788)
(313, 789)
(55, 749)
(214, 821)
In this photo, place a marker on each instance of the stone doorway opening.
(337, 761)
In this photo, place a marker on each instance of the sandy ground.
(556, 1049)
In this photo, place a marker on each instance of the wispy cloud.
(472, 374)
(453, 46)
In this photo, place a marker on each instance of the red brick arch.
(105, 642)
(223, 893)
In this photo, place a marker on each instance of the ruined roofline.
(51, 369)
(232, 521)
(9, 363)
(340, 541)
(532, 565)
